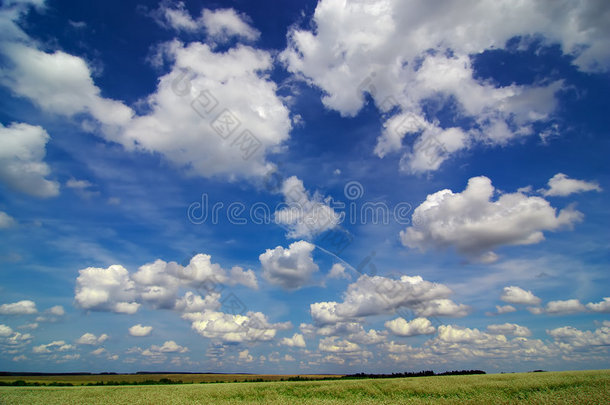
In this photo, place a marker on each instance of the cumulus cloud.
(296, 340)
(6, 221)
(603, 306)
(417, 326)
(505, 309)
(404, 54)
(290, 268)
(561, 185)
(22, 166)
(158, 284)
(509, 329)
(5, 331)
(245, 356)
(91, 339)
(305, 215)
(220, 25)
(381, 295)
(223, 24)
(55, 346)
(24, 307)
(564, 307)
(474, 224)
(109, 289)
(56, 310)
(338, 271)
(200, 120)
(517, 295)
(578, 338)
(140, 331)
(251, 327)
(197, 118)
(59, 83)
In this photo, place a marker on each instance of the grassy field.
(572, 387)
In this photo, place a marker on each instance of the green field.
(570, 387)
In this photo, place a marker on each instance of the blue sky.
(303, 187)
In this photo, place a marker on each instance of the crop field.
(572, 387)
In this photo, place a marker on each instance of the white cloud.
(98, 351)
(140, 331)
(91, 339)
(505, 309)
(158, 283)
(290, 268)
(6, 221)
(333, 344)
(191, 302)
(22, 168)
(108, 289)
(24, 307)
(474, 224)
(381, 295)
(296, 340)
(562, 185)
(245, 356)
(517, 295)
(169, 347)
(223, 24)
(305, 215)
(579, 338)
(199, 118)
(220, 25)
(417, 326)
(5, 331)
(55, 346)
(180, 126)
(59, 83)
(509, 329)
(338, 271)
(56, 310)
(564, 307)
(400, 49)
(251, 327)
(603, 306)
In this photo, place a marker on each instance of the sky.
(304, 187)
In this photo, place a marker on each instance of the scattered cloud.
(474, 224)
(517, 295)
(564, 307)
(296, 340)
(603, 306)
(24, 307)
(509, 329)
(561, 185)
(404, 54)
(140, 331)
(417, 326)
(92, 340)
(22, 166)
(251, 327)
(6, 221)
(115, 289)
(305, 216)
(290, 268)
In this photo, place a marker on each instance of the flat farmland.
(572, 387)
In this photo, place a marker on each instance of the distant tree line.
(164, 381)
